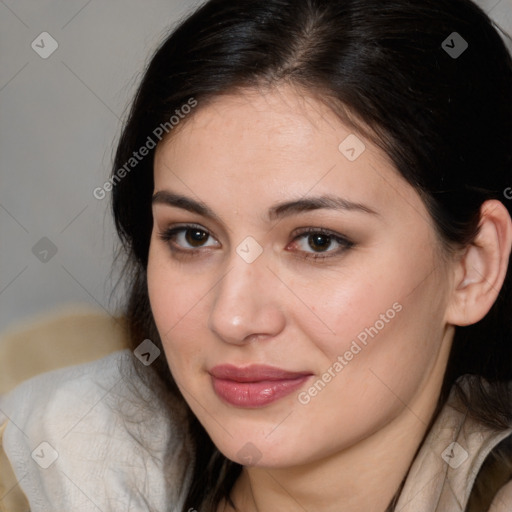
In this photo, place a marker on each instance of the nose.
(246, 304)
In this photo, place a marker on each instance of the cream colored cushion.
(72, 335)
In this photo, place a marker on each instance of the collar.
(443, 473)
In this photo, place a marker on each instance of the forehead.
(281, 118)
(272, 145)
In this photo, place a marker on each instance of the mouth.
(254, 386)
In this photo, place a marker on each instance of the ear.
(481, 270)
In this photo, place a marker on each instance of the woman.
(314, 197)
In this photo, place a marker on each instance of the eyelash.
(170, 234)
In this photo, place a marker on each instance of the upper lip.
(253, 373)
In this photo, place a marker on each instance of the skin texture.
(349, 447)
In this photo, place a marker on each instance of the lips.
(256, 385)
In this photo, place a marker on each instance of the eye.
(187, 238)
(315, 243)
(318, 243)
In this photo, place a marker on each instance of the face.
(295, 279)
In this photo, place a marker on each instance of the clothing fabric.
(96, 437)
(100, 436)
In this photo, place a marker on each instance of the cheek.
(384, 324)
(374, 366)
(178, 303)
(368, 300)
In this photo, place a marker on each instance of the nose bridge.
(245, 300)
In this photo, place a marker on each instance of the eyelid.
(161, 212)
(344, 242)
(324, 231)
(168, 234)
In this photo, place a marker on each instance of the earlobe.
(480, 272)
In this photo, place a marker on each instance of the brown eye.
(196, 237)
(319, 242)
(188, 238)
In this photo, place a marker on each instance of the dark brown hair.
(444, 120)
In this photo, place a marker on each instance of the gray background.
(59, 120)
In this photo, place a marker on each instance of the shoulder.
(25, 400)
(490, 449)
(462, 464)
(97, 433)
(492, 490)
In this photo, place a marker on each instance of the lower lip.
(255, 394)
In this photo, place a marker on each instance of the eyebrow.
(277, 211)
(186, 203)
(327, 202)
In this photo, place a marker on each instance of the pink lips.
(256, 385)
